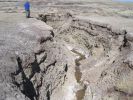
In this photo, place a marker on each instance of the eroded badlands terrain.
(68, 50)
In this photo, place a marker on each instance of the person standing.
(27, 9)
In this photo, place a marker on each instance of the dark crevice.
(28, 89)
(27, 86)
(123, 92)
(52, 33)
(125, 41)
(35, 66)
(43, 17)
(43, 39)
(66, 68)
(48, 95)
(48, 92)
(43, 59)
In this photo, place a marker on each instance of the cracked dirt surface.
(67, 53)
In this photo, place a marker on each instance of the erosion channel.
(77, 59)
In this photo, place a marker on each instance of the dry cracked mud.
(66, 53)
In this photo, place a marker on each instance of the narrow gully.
(78, 75)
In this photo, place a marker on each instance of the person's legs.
(27, 13)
